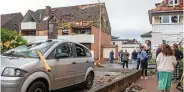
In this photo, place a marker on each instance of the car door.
(82, 60)
(63, 67)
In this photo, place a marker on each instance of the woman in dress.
(166, 62)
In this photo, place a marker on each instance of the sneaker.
(145, 78)
(141, 77)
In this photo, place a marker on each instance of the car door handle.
(74, 63)
(87, 61)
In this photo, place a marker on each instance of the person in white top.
(166, 62)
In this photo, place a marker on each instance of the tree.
(10, 39)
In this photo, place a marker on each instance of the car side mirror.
(62, 55)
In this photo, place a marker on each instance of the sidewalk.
(150, 85)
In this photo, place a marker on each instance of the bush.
(10, 39)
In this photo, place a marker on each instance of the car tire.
(89, 80)
(37, 86)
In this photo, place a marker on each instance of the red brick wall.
(105, 40)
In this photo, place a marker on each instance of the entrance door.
(53, 31)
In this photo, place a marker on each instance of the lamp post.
(100, 32)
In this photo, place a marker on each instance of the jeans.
(134, 62)
(125, 62)
(144, 67)
(138, 63)
(111, 60)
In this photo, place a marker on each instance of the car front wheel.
(89, 80)
(38, 86)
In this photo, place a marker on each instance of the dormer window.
(173, 2)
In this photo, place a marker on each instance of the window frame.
(170, 19)
(173, 3)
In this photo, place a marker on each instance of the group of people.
(168, 62)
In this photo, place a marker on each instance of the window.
(82, 31)
(64, 50)
(31, 33)
(174, 19)
(173, 2)
(88, 53)
(80, 51)
(169, 19)
(164, 19)
(64, 31)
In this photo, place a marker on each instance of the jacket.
(166, 63)
(134, 55)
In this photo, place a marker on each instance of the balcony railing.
(168, 28)
(81, 38)
(28, 26)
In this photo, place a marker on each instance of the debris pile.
(133, 88)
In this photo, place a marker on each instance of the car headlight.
(13, 72)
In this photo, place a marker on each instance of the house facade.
(126, 44)
(11, 21)
(75, 23)
(167, 22)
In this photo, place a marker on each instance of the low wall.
(120, 84)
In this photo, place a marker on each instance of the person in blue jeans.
(134, 59)
(144, 63)
(111, 57)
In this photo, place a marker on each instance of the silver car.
(71, 63)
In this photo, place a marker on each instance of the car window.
(52, 55)
(88, 53)
(80, 51)
(64, 50)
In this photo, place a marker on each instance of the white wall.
(83, 38)
(28, 25)
(106, 52)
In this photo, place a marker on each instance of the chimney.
(48, 10)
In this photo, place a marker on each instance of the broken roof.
(165, 7)
(5, 18)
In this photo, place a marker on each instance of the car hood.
(15, 62)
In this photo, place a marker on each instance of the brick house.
(76, 23)
(11, 21)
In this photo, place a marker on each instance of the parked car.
(71, 63)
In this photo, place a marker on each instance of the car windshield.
(31, 51)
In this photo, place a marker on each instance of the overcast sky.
(128, 18)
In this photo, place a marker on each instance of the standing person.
(120, 54)
(144, 63)
(121, 57)
(125, 58)
(158, 51)
(179, 55)
(139, 56)
(134, 59)
(111, 56)
(165, 65)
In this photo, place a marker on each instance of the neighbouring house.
(79, 23)
(167, 23)
(11, 21)
(128, 44)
